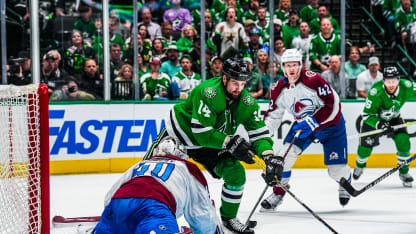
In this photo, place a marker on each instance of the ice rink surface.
(387, 208)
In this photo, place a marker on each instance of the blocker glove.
(274, 168)
(307, 125)
(239, 148)
(382, 124)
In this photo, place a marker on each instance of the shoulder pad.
(373, 92)
(248, 100)
(210, 92)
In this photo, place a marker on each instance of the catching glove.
(307, 125)
(274, 169)
(238, 147)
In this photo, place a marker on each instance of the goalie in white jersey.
(152, 194)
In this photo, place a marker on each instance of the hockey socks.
(230, 200)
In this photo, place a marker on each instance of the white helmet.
(170, 145)
(291, 55)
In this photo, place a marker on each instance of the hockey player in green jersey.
(206, 123)
(382, 111)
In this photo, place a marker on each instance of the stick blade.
(347, 186)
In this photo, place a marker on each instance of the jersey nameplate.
(210, 92)
(248, 100)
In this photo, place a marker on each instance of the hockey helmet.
(236, 69)
(291, 55)
(170, 145)
(390, 72)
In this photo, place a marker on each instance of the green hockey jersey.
(206, 118)
(380, 105)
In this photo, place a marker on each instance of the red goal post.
(24, 159)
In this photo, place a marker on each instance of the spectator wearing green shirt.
(291, 29)
(405, 23)
(251, 13)
(282, 12)
(389, 9)
(85, 24)
(315, 24)
(310, 11)
(323, 46)
(263, 25)
(185, 43)
(255, 84)
(155, 84)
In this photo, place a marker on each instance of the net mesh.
(19, 160)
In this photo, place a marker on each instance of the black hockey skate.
(235, 226)
(357, 173)
(406, 179)
(271, 202)
(344, 196)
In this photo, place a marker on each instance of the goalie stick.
(60, 221)
(351, 190)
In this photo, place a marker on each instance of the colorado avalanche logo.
(333, 156)
(310, 73)
(302, 108)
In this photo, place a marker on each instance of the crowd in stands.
(169, 47)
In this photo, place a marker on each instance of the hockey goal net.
(24, 159)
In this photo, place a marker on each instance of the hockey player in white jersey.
(154, 193)
(317, 111)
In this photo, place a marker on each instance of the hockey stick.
(262, 165)
(60, 221)
(378, 131)
(351, 190)
(258, 161)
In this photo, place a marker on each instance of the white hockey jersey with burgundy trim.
(310, 96)
(173, 181)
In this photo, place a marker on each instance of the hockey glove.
(239, 148)
(388, 129)
(274, 169)
(307, 125)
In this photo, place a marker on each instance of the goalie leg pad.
(137, 215)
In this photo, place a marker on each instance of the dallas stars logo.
(230, 37)
(248, 100)
(210, 92)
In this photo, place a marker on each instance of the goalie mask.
(170, 145)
